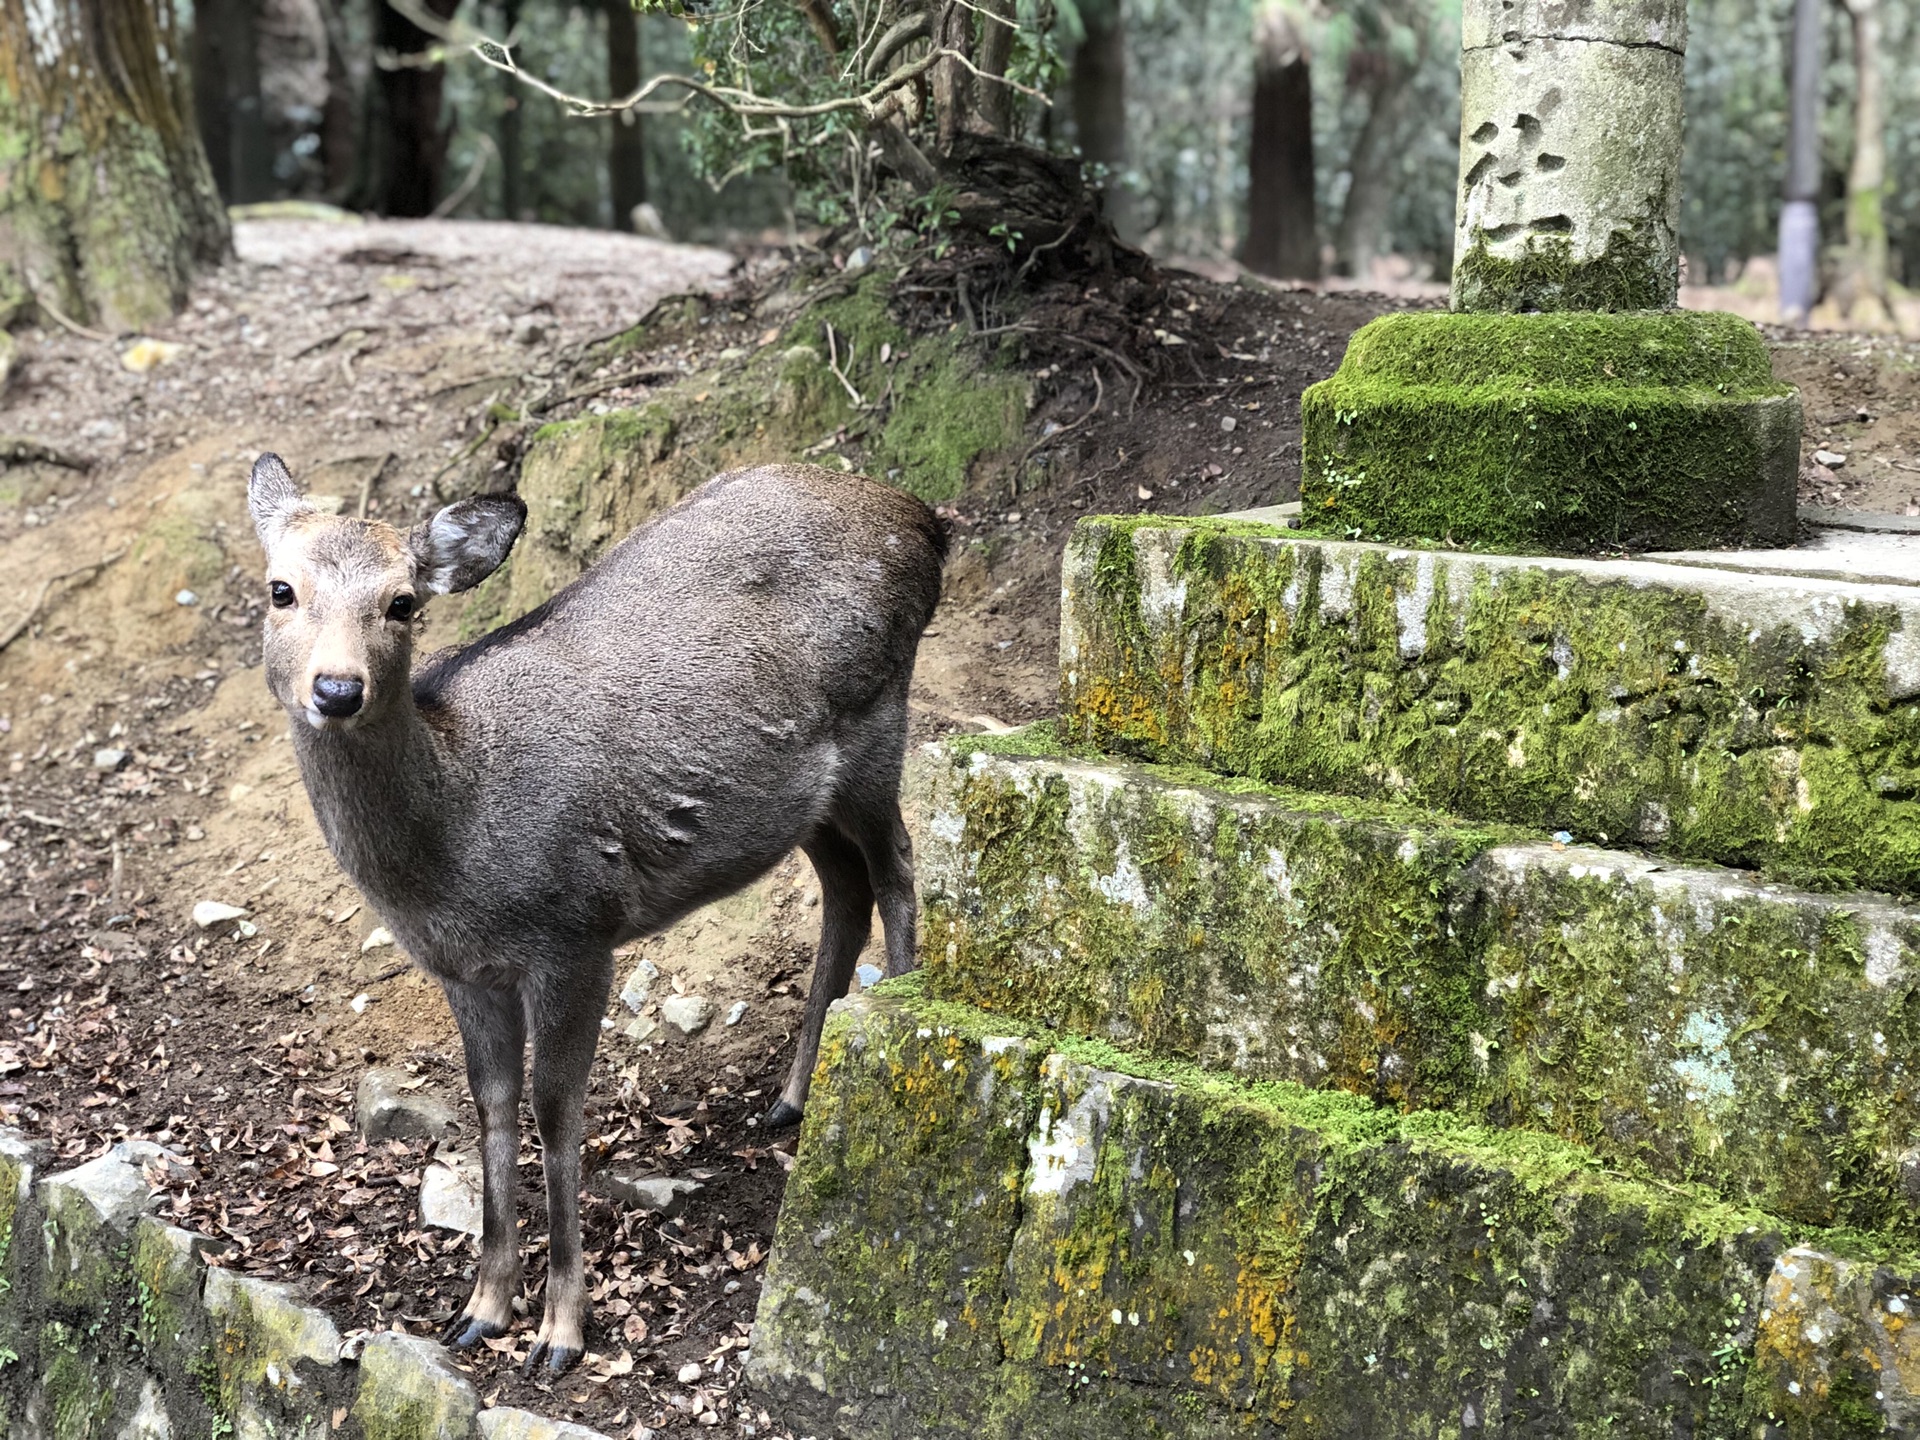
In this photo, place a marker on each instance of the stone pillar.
(1570, 132)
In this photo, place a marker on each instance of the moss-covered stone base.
(1563, 432)
(1158, 1251)
(1689, 1024)
(1763, 721)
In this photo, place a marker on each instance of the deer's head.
(344, 593)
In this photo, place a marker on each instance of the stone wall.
(115, 1326)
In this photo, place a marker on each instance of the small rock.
(8, 351)
(186, 597)
(450, 1194)
(1829, 458)
(1229, 424)
(530, 330)
(209, 913)
(641, 1029)
(647, 222)
(639, 987)
(109, 759)
(659, 1194)
(385, 1109)
(148, 1155)
(860, 257)
(144, 354)
(194, 832)
(735, 1012)
(690, 1372)
(870, 975)
(377, 938)
(689, 1014)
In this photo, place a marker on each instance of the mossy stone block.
(409, 1391)
(170, 1322)
(1762, 721)
(881, 1309)
(1193, 1255)
(89, 1216)
(1688, 1023)
(1561, 433)
(275, 1366)
(1275, 934)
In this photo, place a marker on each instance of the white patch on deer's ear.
(465, 543)
(273, 497)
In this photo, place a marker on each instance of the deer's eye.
(400, 608)
(282, 594)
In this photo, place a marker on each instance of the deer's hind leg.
(846, 919)
(492, 1030)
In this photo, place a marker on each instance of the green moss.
(1190, 1248)
(1560, 432)
(1557, 698)
(79, 1402)
(1627, 275)
(931, 411)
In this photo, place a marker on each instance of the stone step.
(1690, 1023)
(1763, 716)
(991, 1234)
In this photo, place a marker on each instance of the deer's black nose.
(337, 696)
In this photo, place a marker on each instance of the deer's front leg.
(565, 1009)
(493, 1030)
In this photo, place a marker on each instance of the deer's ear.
(466, 542)
(274, 497)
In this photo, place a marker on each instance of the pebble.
(1229, 424)
(209, 913)
(870, 975)
(1829, 458)
(450, 1195)
(639, 987)
(734, 1014)
(659, 1194)
(186, 597)
(689, 1014)
(690, 1372)
(109, 759)
(377, 938)
(385, 1108)
(860, 257)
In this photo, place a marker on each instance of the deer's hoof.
(781, 1117)
(467, 1332)
(559, 1358)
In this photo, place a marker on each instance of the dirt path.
(147, 769)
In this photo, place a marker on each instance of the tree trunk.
(1800, 215)
(1866, 279)
(340, 151)
(107, 206)
(415, 143)
(1100, 106)
(1388, 81)
(226, 93)
(511, 190)
(626, 140)
(1282, 232)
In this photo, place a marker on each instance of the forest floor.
(147, 769)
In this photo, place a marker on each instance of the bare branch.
(743, 103)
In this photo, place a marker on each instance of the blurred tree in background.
(333, 99)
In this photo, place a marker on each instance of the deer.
(726, 684)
